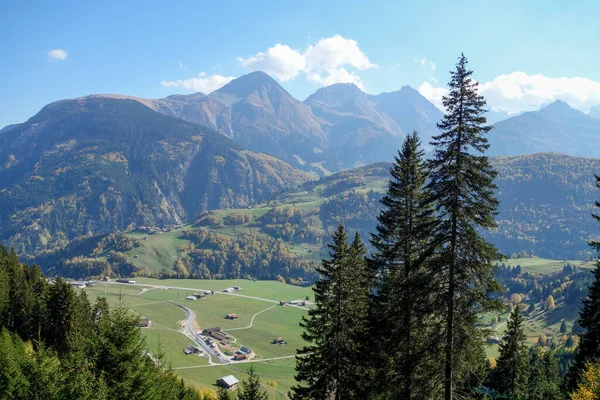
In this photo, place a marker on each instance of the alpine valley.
(248, 165)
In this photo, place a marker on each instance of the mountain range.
(100, 163)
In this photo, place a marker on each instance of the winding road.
(251, 321)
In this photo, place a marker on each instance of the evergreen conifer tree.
(463, 191)
(251, 388)
(510, 375)
(329, 367)
(589, 319)
(222, 394)
(402, 310)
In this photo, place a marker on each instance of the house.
(239, 356)
(228, 382)
(192, 350)
(231, 316)
(78, 284)
(191, 298)
(229, 290)
(220, 336)
(106, 279)
(278, 340)
(494, 340)
(208, 292)
(144, 322)
(236, 288)
(245, 350)
(283, 303)
(209, 331)
(294, 302)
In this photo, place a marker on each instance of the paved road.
(190, 332)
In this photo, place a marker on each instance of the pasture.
(259, 299)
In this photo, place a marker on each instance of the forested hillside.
(55, 344)
(97, 165)
(545, 205)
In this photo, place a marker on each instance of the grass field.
(271, 290)
(545, 266)
(159, 304)
(276, 322)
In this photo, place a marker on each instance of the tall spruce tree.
(510, 375)
(463, 190)
(251, 388)
(402, 242)
(589, 320)
(328, 368)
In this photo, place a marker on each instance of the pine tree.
(222, 394)
(328, 368)
(463, 190)
(402, 308)
(251, 388)
(510, 375)
(563, 327)
(589, 320)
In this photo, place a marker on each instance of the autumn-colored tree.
(589, 386)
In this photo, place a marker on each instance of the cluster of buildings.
(292, 303)
(156, 229)
(79, 284)
(243, 353)
(216, 333)
(200, 296)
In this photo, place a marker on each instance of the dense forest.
(56, 344)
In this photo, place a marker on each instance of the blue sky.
(524, 55)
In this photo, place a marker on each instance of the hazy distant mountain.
(336, 128)
(594, 112)
(555, 128)
(366, 128)
(97, 164)
(496, 116)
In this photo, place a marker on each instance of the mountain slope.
(97, 164)
(546, 201)
(366, 128)
(555, 128)
(338, 127)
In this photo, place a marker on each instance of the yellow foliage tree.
(589, 387)
(206, 393)
(550, 303)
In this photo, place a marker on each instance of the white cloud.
(281, 61)
(58, 54)
(335, 75)
(518, 92)
(427, 63)
(203, 83)
(325, 62)
(433, 94)
(335, 52)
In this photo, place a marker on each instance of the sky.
(524, 54)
